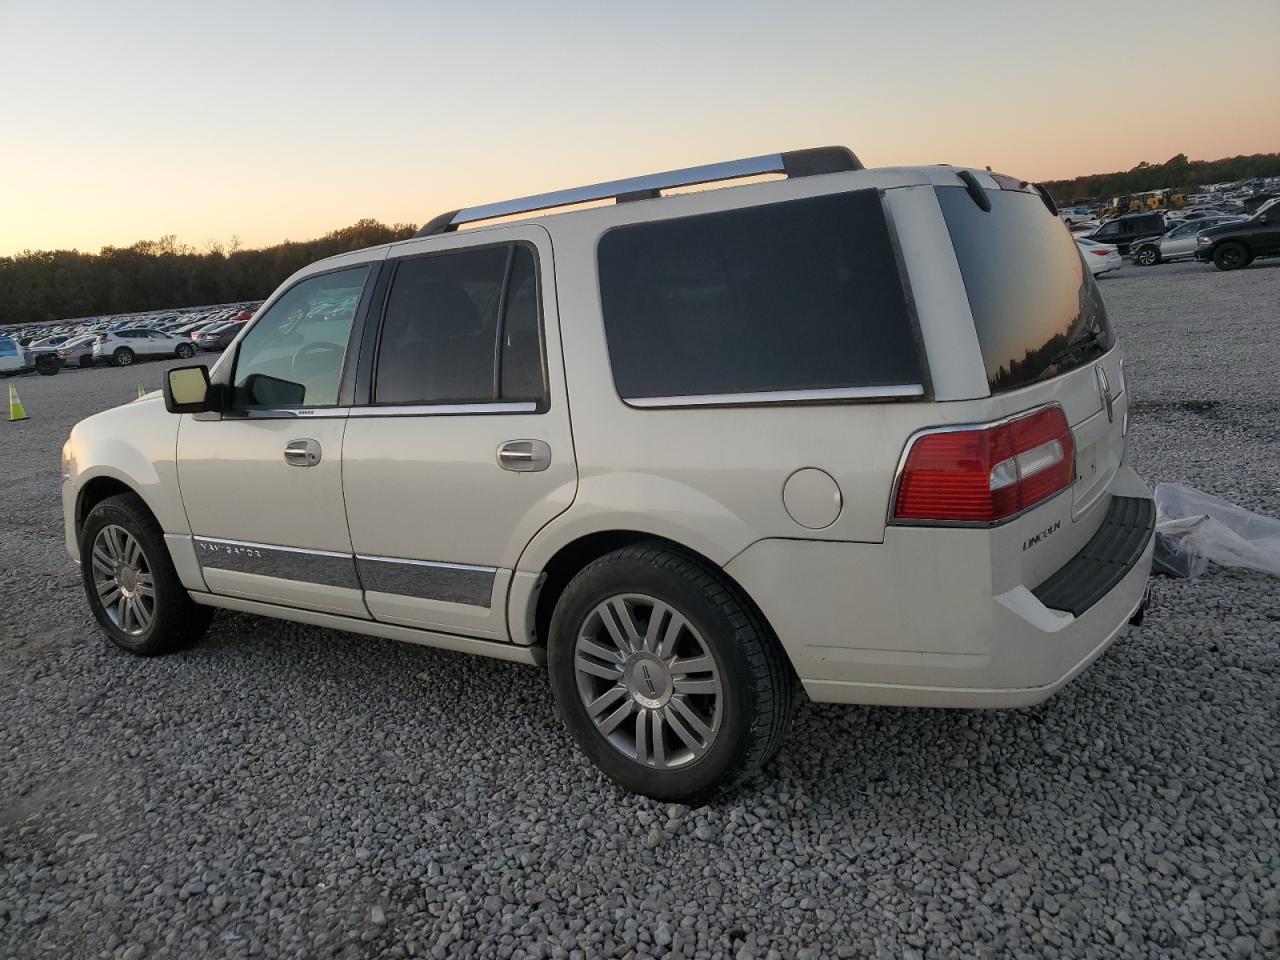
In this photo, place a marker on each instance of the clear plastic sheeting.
(1194, 529)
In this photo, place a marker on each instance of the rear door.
(461, 451)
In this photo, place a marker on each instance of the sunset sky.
(275, 120)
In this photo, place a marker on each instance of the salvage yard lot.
(282, 790)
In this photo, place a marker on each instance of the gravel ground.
(288, 791)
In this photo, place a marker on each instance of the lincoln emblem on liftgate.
(1104, 390)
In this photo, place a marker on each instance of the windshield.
(1036, 308)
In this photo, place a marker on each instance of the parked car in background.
(1084, 227)
(78, 351)
(1124, 230)
(1100, 257)
(1231, 246)
(219, 336)
(1177, 243)
(13, 358)
(122, 347)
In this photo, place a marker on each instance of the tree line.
(1178, 173)
(44, 285)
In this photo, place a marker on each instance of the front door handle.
(302, 453)
(524, 456)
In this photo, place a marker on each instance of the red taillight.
(1099, 253)
(985, 474)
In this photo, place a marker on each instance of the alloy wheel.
(123, 579)
(648, 681)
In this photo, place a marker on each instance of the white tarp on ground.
(1195, 528)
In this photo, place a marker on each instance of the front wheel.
(186, 351)
(122, 357)
(1231, 256)
(1147, 257)
(666, 675)
(132, 586)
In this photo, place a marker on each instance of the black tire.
(176, 620)
(1231, 256)
(47, 365)
(122, 357)
(86, 361)
(1147, 256)
(758, 687)
(185, 351)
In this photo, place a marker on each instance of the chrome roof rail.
(793, 163)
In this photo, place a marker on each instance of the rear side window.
(796, 296)
(462, 327)
(8, 348)
(1036, 309)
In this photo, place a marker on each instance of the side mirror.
(186, 390)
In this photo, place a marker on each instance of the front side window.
(803, 295)
(293, 356)
(461, 327)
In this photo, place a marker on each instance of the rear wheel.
(47, 365)
(667, 677)
(122, 357)
(1231, 256)
(132, 586)
(1147, 257)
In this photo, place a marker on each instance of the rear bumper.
(916, 620)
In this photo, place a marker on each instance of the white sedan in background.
(1101, 257)
(122, 347)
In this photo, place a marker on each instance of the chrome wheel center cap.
(648, 680)
(127, 579)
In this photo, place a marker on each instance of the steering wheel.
(315, 358)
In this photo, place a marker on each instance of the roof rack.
(794, 163)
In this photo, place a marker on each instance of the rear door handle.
(302, 453)
(524, 456)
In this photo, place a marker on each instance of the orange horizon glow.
(135, 120)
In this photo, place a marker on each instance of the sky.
(274, 120)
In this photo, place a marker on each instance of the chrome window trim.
(781, 396)
(440, 409)
(285, 413)
(891, 521)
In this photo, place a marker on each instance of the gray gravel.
(288, 791)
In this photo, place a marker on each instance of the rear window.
(797, 296)
(1036, 308)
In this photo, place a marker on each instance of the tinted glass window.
(1108, 229)
(294, 354)
(1036, 308)
(441, 336)
(8, 348)
(790, 296)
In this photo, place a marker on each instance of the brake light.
(986, 473)
(1099, 253)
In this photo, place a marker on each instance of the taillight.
(1099, 253)
(986, 473)
(103, 338)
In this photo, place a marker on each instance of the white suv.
(860, 431)
(122, 347)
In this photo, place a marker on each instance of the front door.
(262, 484)
(462, 451)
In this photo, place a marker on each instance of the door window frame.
(224, 373)
(363, 404)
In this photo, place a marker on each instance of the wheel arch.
(574, 556)
(99, 488)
